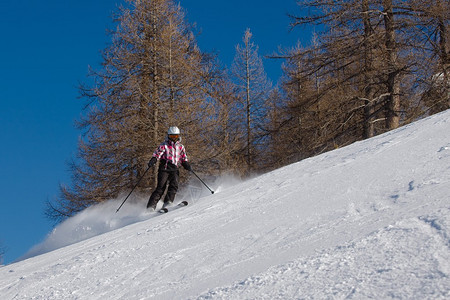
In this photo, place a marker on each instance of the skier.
(171, 154)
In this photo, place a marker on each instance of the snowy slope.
(371, 220)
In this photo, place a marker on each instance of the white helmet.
(173, 130)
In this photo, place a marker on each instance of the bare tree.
(226, 131)
(430, 34)
(253, 88)
(153, 76)
(278, 136)
(361, 68)
(393, 79)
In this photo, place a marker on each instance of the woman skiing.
(171, 154)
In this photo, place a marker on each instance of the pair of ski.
(171, 208)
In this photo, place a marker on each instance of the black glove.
(187, 166)
(152, 162)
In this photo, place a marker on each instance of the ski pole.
(212, 192)
(133, 189)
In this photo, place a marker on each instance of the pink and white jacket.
(170, 152)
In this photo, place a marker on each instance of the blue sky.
(46, 50)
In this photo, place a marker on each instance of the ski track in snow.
(371, 220)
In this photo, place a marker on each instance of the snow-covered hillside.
(371, 220)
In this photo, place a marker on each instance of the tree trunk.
(393, 82)
(155, 96)
(247, 96)
(368, 73)
(444, 53)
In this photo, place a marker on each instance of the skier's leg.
(173, 187)
(159, 191)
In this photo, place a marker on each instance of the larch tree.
(252, 88)
(361, 62)
(226, 130)
(279, 142)
(392, 68)
(430, 34)
(153, 76)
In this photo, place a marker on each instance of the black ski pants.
(165, 178)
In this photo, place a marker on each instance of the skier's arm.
(152, 162)
(187, 166)
(156, 155)
(159, 151)
(184, 160)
